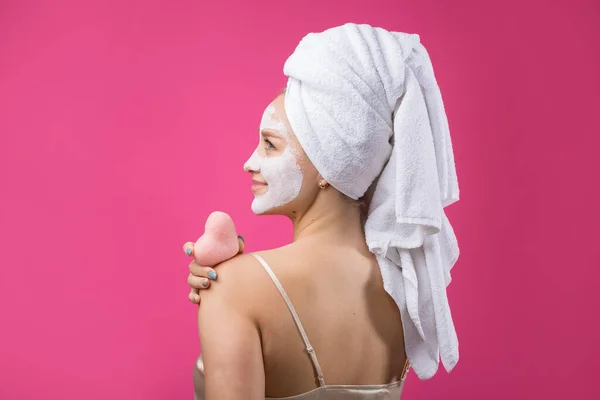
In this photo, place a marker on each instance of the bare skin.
(251, 346)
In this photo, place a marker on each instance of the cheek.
(309, 172)
(282, 173)
(277, 167)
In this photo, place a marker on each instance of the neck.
(333, 217)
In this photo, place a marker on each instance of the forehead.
(270, 114)
(277, 108)
(274, 119)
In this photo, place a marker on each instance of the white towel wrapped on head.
(365, 105)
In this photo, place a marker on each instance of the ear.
(320, 179)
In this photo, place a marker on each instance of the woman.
(312, 319)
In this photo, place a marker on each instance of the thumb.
(242, 244)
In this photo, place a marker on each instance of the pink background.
(123, 124)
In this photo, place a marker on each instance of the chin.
(261, 210)
(266, 206)
(270, 211)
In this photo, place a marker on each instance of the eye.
(269, 145)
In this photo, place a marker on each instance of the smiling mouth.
(257, 185)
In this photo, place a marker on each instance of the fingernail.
(241, 237)
(212, 275)
(188, 251)
(205, 283)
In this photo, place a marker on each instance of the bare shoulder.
(243, 284)
(287, 254)
(293, 259)
(238, 284)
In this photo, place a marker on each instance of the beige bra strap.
(309, 348)
(405, 369)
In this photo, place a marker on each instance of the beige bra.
(323, 392)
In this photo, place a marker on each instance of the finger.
(202, 272)
(188, 248)
(194, 296)
(242, 244)
(196, 282)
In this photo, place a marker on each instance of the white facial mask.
(282, 173)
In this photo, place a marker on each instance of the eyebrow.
(270, 133)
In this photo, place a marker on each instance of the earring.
(323, 184)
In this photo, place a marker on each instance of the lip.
(257, 185)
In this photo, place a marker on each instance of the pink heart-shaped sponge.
(219, 242)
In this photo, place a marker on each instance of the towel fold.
(366, 107)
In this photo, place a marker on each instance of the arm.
(230, 337)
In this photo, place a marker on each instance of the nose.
(253, 163)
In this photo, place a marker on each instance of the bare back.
(352, 323)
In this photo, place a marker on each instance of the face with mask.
(278, 165)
